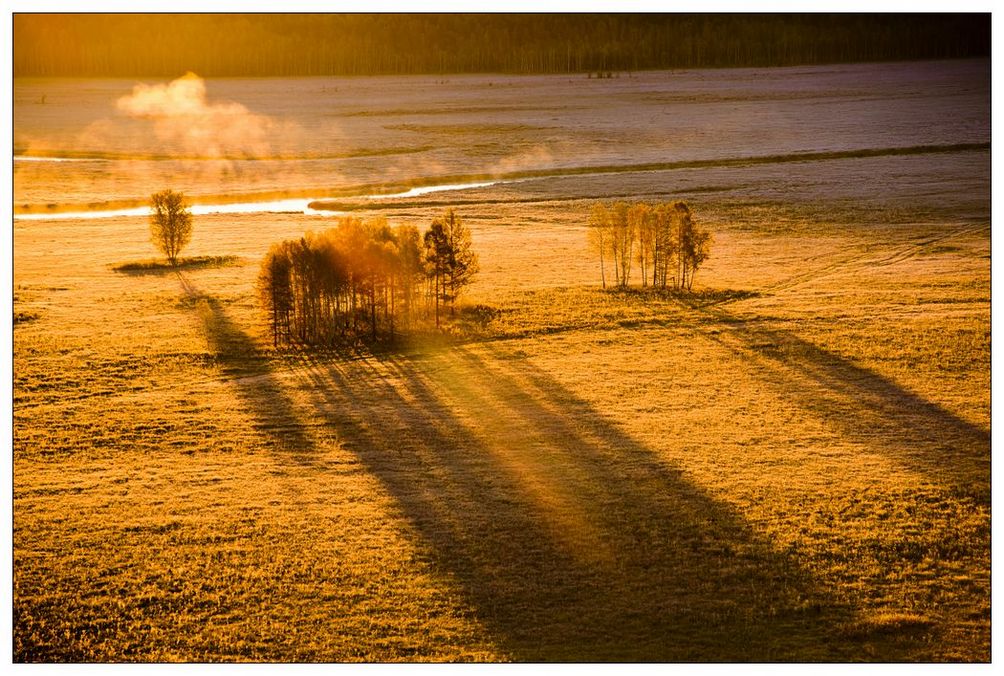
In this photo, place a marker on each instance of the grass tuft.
(887, 624)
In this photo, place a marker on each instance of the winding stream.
(286, 206)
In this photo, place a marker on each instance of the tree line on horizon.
(665, 241)
(221, 45)
(364, 279)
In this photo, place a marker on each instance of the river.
(91, 148)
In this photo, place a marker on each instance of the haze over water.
(261, 140)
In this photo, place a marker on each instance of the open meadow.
(790, 463)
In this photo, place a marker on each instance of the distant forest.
(215, 45)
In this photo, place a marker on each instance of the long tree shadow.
(572, 541)
(260, 392)
(866, 406)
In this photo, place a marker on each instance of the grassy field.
(793, 463)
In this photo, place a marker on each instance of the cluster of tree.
(663, 239)
(219, 45)
(364, 278)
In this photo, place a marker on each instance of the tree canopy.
(170, 223)
(363, 279)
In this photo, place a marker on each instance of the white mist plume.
(184, 118)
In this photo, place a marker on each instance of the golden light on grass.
(534, 477)
(790, 462)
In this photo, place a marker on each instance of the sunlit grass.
(790, 464)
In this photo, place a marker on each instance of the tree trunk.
(437, 300)
(603, 267)
(392, 308)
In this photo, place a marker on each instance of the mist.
(182, 117)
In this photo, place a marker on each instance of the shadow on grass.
(163, 267)
(259, 390)
(692, 299)
(571, 540)
(864, 405)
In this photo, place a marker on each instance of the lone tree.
(170, 223)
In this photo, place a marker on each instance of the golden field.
(790, 464)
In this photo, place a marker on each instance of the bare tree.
(622, 242)
(599, 236)
(698, 247)
(684, 240)
(642, 223)
(170, 223)
(664, 246)
(669, 242)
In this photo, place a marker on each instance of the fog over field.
(788, 462)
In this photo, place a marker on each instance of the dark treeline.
(364, 279)
(217, 45)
